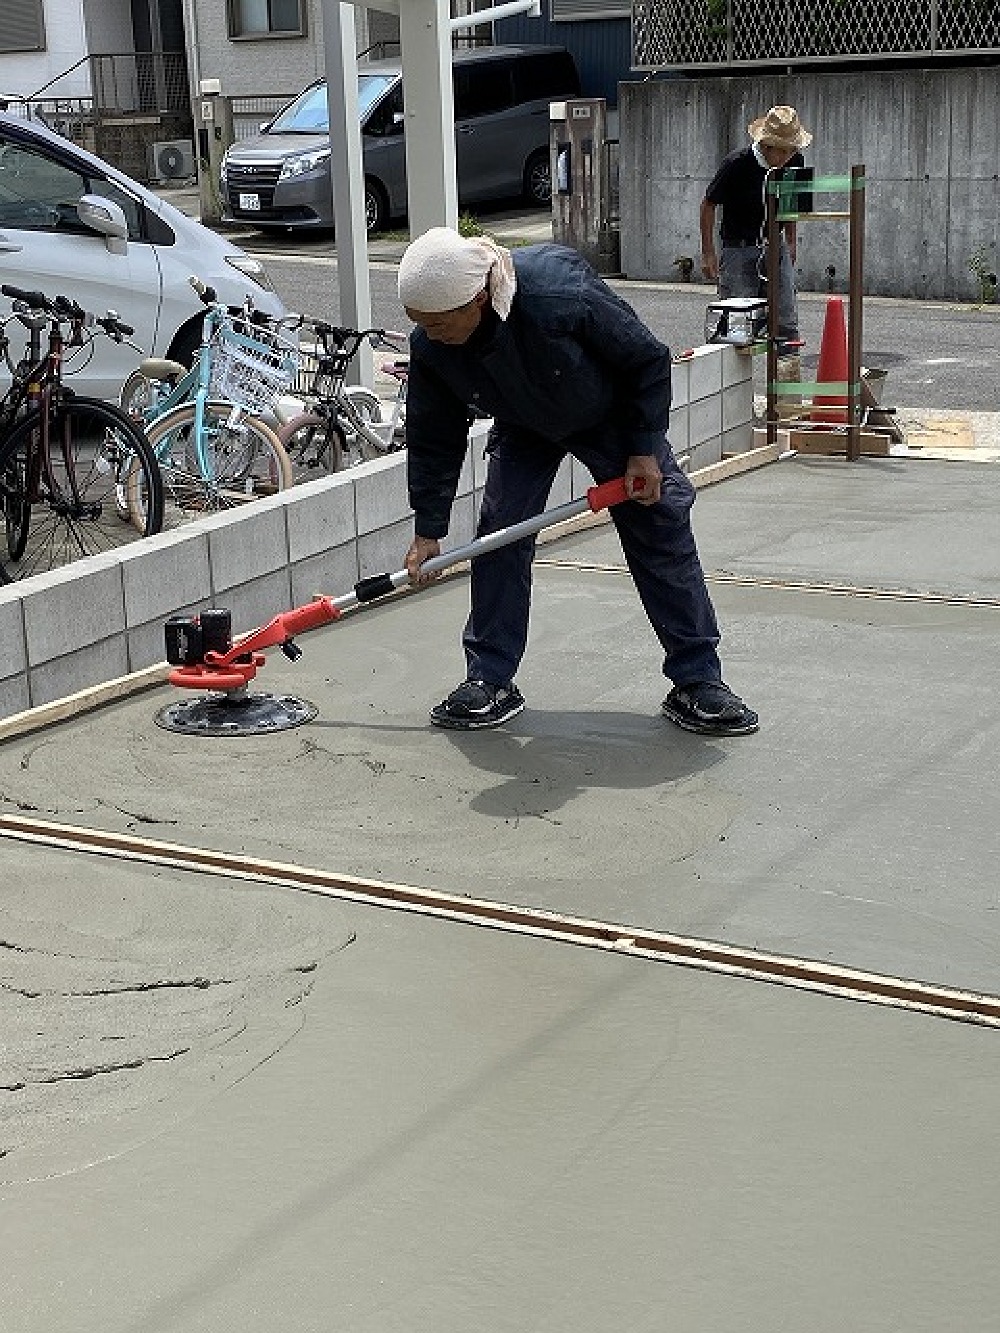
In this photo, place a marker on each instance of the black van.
(281, 177)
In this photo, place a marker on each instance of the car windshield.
(308, 114)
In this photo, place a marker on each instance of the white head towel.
(442, 270)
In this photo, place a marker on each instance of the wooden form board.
(872, 443)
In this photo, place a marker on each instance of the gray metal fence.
(706, 34)
(249, 113)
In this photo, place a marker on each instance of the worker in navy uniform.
(737, 192)
(537, 341)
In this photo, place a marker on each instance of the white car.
(72, 225)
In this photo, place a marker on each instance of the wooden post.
(773, 235)
(856, 242)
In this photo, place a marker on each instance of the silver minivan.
(281, 177)
(72, 225)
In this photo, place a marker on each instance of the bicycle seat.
(160, 368)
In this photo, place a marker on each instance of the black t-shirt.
(738, 189)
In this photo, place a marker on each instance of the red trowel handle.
(610, 493)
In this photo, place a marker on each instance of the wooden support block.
(874, 444)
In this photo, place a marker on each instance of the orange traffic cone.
(832, 367)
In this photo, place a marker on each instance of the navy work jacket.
(571, 358)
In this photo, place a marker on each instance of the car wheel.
(538, 178)
(376, 207)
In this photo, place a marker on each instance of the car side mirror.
(106, 217)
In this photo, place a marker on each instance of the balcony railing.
(707, 34)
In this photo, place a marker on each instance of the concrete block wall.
(927, 139)
(102, 618)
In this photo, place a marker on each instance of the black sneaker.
(710, 707)
(476, 704)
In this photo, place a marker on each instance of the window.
(481, 88)
(40, 193)
(266, 18)
(575, 10)
(382, 121)
(22, 27)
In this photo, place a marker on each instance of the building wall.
(23, 73)
(254, 67)
(927, 138)
(602, 48)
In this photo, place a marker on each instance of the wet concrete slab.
(469, 1128)
(257, 1101)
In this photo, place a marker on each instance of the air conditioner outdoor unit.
(172, 160)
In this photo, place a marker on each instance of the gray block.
(257, 602)
(678, 432)
(737, 367)
(477, 452)
(382, 552)
(321, 516)
(739, 439)
(14, 697)
(328, 574)
(248, 543)
(92, 664)
(704, 421)
(73, 607)
(463, 523)
(680, 384)
(709, 451)
(12, 655)
(164, 573)
(562, 487)
(380, 493)
(737, 405)
(705, 372)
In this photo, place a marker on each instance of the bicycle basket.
(251, 365)
(320, 373)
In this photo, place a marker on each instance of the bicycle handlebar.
(32, 300)
(114, 327)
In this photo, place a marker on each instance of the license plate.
(250, 203)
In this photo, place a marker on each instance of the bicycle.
(330, 424)
(77, 477)
(203, 423)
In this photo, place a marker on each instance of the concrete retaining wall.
(102, 618)
(927, 138)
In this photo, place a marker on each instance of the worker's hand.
(421, 549)
(642, 479)
(710, 265)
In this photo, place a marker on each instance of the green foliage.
(984, 271)
(468, 226)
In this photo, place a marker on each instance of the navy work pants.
(657, 541)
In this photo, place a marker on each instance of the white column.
(425, 38)
(340, 46)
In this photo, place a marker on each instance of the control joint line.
(658, 946)
(797, 585)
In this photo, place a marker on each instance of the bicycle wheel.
(136, 395)
(16, 506)
(62, 507)
(237, 462)
(366, 403)
(315, 445)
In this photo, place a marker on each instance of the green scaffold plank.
(819, 185)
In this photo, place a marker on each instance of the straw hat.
(781, 128)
